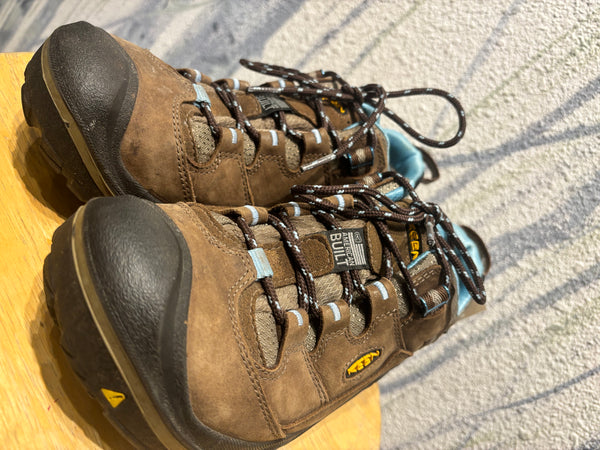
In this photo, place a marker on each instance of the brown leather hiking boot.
(200, 326)
(117, 120)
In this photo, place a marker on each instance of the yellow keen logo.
(113, 397)
(414, 241)
(337, 105)
(362, 363)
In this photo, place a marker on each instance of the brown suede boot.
(200, 326)
(117, 120)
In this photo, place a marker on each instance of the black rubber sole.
(84, 346)
(80, 90)
(56, 143)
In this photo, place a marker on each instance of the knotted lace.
(371, 206)
(315, 91)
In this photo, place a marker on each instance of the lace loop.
(371, 94)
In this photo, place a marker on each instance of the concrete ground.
(525, 373)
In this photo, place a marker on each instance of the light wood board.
(43, 403)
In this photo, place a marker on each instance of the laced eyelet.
(314, 91)
(364, 203)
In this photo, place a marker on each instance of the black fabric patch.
(349, 249)
(271, 103)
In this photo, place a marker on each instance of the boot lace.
(313, 90)
(372, 206)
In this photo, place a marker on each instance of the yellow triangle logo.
(114, 398)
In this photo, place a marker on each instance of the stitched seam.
(161, 65)
(347, 395)
(323, 344)
(236, 332)
(274, 373)
(408, 320)
(334, 402)
(212, 239)
(371, 328)
(382, 163)
(262, 401)
(425, 274)
(283, 168)
(351, 339)
(182, 170)
(246, 182)
(213, 166)
(371, 244)
(213, 163)
(254, 329)
(398, 337)
(316, 379)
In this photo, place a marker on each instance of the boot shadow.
(42, 181)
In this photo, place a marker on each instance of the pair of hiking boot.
(265, 257)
